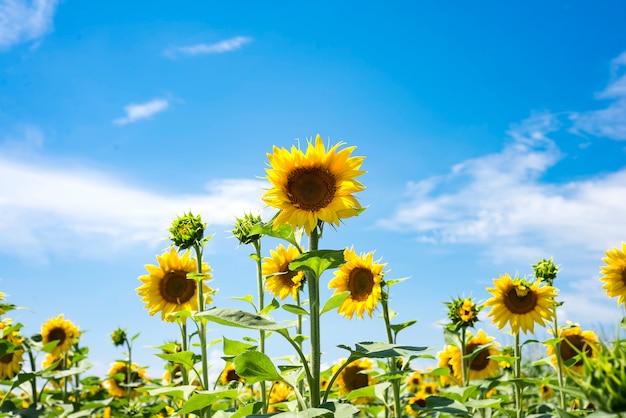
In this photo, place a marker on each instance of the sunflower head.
(414, 381)
(546, 270)
(313, 186)
(280, 392)
(12, 344)
(481, 366)
(229, 375)
(281, 280)
(123, 381)
(63, 331)
(521, 304)
(187, 231)
(574, 345)
(462, 313)
(446, 359)
(545, 392)
(614, 274)
(363, 278)
(167, 289)
(118, 337)
(243, 228)
(356, 375)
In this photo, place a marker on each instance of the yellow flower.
(521, 304)
(414, 381)
(615, 274)
(61, 330)
(574, 342)
(282, 281)
(120, 379)
(355, 376)
(445, 360)
(280, 392)
(481, 366)
(362, 277)
(229, 375)
(545, 392)
(419, 399)
(11, 361)
(166, 288)
(313, 186)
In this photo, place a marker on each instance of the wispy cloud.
(138, 111)
(24, 21)
(226, 45)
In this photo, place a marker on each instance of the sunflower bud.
(187, 231)
(118, 337)
(244, 226)
(546, 270)
(463, 313)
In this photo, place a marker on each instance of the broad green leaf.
(248, 410)
(317, 262)
(451, 338)
(256, 367)
(384, 350)
(335, 301)
(295, 309)
(247, 298)
(399, 327)
(234, 348)
(176, 392)
(270, 307)
(442, 404)
(376, 391)
(201, 400)
(340, 410)
(80, 368)
(241, 319)
(185, 358)
(483, 403)
(284, 232)
(307, 413)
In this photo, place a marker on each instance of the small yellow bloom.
(614, 274)
(281, 280)
(61, 330)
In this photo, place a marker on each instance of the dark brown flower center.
(571, 346)
(57, 334)
(481, 361)
(360, 283)
(520, 300)
(311, 188)
(286, 276)
(231, 376)
(7, 358)
(176, 288)
(353, 379)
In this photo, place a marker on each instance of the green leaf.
(184, 358)
(256, 367)
(248, 410)
(391, 282)
(247, 298)
(269, 308)
(284, 232)
(175, 392)
(241, 319)
(295, 309)
(441, 404)
(376, 391)
(384, 350)
(399, 327)
(317, 262)
(202, 399)
(335, 301)
(483, 403)
(341, 410)
(234, 348)
(80, 368)
(451, 338)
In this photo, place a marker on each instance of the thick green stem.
(203, 344)
(395, 383)
(464, 371)
(33, 381)
(314, 311)
(517, 370)
(129, 365)
(261, 293)
(299, 332)
(559, 364)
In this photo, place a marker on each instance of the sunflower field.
(575, 374)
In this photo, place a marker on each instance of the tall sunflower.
(445, 360)
(574, 342)
(355, 376)
(120, 378)
(282, 281)
(520, 303)
(61, 330)
(362, 276)
(11, 361)
(166, 288)
(615, 274)
(481, 366)
(314, 186)
(280, 392)
(229, 375)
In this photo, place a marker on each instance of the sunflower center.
(57, 334)
(571, 346)
(231, 376)
(481, 361)
(7, 358)
(176, 288)
(520, 300)
(287, 275)
(360, 283)
(311, 188)
(353, 379)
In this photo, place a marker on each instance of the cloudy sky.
(493, 135)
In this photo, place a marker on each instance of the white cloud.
(227, 45)
(47, 209)
(138, 111)
(23, 21)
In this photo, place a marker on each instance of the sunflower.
(615, 274)
(229, 375)
(61, 330)
(355, 376)
(545, 392)
(362, 277)
(574, 342)
(11, 361)
(166, 287)
(445, 360)
(419, 400)
(120, 379)
(520, 303)
(481, 366)
(280, 392)
(314, 186)
(282, 281)
(414, 381)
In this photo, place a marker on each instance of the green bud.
(244, 226)
(546, 270)
(462, 313)
(187, 231)
(118, 337)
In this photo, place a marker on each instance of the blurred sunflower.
(314, 186)
(61, 330)
(355, 376)
(120, 379)
(614, 274)
(166, 288)
(414, 381)
(362, 277)
(445, 360)
(574, 342)
(545, 392)
(481, 366)
(280, 392)
(419, 400)
(282, 281)
(11, 361)
(229, 375)
(521, 304)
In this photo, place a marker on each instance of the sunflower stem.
(33, 382)
(517, 370)
(261, 293)
(203, 346)
(464, 373)
(314, 310)
(299, 332)
(395, 383)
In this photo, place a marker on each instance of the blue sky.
(493, 134)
